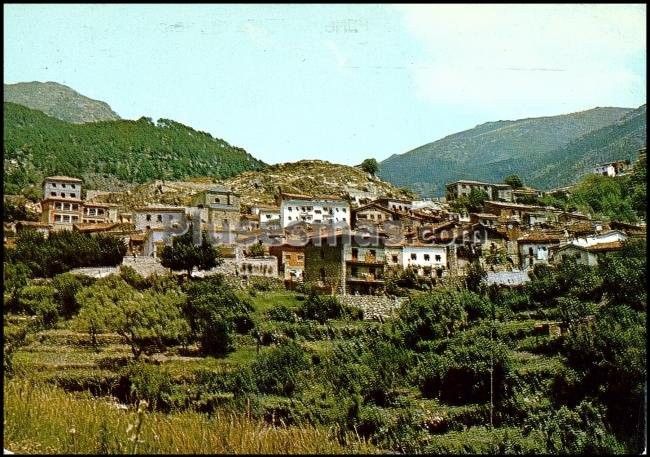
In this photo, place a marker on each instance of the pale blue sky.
(335, 82)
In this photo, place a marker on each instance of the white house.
(534, 247)
(612, 168)
(314, 210)
(587, 255)
(268, 215)
(427, 259)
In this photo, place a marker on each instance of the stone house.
(218, 209)
(349, 262)
(291, 261)
(463, 187)
(426, 259)
(160, 218)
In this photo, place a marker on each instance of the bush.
(276, 371)
(148, 382)
(133, 278)
(462, 373)
(40, 300)
(215, 312)
(282, 313)
(321, 308)
(67, 285)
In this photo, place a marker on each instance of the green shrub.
(282, 313)
(40, 300)
(277, 370)
(133, 278)
(148, 382)
(67, 285)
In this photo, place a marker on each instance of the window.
(289, 218)
(217, 200)
(62, 194)
(53, 194)
(75, 207)
(437, 257)
(58, 205)
(344, 220)
(268, 216)
(73, 186)
(63, 185)
(159, 218)
(414, 256)
(427, 257)
(169, 217)
(53, 184)
(290, 209)
(99, 211)
(58, 218)
(373, 253)
(148, 217)
(355, 253)
(394, 258)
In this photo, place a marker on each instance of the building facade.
(313, 210)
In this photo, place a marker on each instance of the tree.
(256, 250)
(67, 285)
(475, 280)
(215, 313)
(514, 181)
(183, 254)
(16, 276)
(476, 198)
(370, 166)
(147, 321)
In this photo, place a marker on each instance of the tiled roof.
(541, 237)
(604, 247)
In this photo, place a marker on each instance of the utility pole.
(492, 367)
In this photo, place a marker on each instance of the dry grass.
(43, 419)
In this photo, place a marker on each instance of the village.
(346, 244)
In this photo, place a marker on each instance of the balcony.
(365, 278)
(366, 260)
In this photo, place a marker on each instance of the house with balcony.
(61, 204)
(99, 213)
(347, 262)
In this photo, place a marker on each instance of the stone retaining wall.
(374, 306)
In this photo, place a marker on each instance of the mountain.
(59, 101)
(37, 145)
(492, 150)
(618, 141)
(309, 177)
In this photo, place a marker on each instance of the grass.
(44, 419)
(264, 301)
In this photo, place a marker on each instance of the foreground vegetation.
(461, 368)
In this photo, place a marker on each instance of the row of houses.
(345, 244)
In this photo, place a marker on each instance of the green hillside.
(36, 145)
(59, 101)
(492, 150)
(618, 141)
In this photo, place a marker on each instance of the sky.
(335, 82)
